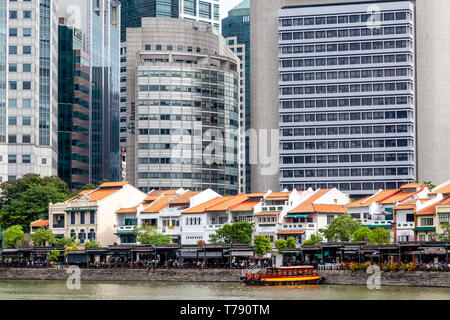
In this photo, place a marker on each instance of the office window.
(82, 215)
(27, 32)
(12, 85)
(26, 50)
(26, 158)
(12, 158)
(12, 14)
(12, 50)
(12, 67)
(26, 138)
(27, 14)
(12, 103)
(26, 121)
(13, 32)
(26, 103)
(26, 85)
(12, 138)
(147, 47)
(12, 121)
(26, 67)
(72, 218)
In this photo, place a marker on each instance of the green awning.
(123, 233)
(297, 215)
(425, 229)
(318, 255)
(76, 210)
(374, 226)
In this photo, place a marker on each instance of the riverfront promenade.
(338, 277)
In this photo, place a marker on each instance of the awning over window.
(425, 229)
(297, 215)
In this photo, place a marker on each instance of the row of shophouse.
(110, 213)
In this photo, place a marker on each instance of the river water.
(141, 290)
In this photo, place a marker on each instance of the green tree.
(149, 235)
(280, 244)
(380, 236)
(13, 236)
(238, 232)
(341, 228)
(316, 238)
(91, 244)
(43, 236)
(89, 186)
(362, 234)
(25, 200)
(64, 242)
(54, 255)
(291, 243)
(429, 184)
(444, 236)
(262, 244)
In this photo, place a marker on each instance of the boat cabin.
(290, 271)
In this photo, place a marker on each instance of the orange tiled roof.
(128, 210)
(306, 206)
(365, 202)
(184, 198)
(150, 198)
(85, 191)
(278, 195)
(332, 208)
(406, 206)
(244, 206)
(263, 213)
(39, 223)
(291, 232)
(428, 210)
(113, 184)
(399, 197)
(445, 202)
(201, 208)
(410, 186)
(154, 192)
(100, 194)
(159, 204)
(228, 203)
(443, 190)
(256, 194)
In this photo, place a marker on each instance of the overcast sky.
(226, 5)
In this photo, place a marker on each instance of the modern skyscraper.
(183, 114)
(73, 107)
(430, 51)
(347, 97)
(236, 30)
(29, 88)
(132, 11)
(99, 20)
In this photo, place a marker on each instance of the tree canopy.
(362, 234)
(262, 244)
(43, 236)
(341, 228)
(64, 242)
(291, 243)
(91, 244)
(280, 244)
(25, 200)
(238, 232)
(149, 235)
(315, 238)
(380, 236)
(13, 236)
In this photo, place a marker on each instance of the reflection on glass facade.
(73, 108)
(3, 55)
(133, 10)
(237, 26)
(347, 97)
(44, 72)
(104, 55)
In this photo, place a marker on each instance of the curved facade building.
(182, 107)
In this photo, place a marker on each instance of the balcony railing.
(377, 222)
(272, 208)
(125, 228)
(58, 225)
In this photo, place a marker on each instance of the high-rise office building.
(99, 20)
(182, 106)
(236, 30)
(132, 12)
(29, 88)
(426, 145)
(347, 97)
(73, 107)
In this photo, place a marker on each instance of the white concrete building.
(29, 88)
(91, 215)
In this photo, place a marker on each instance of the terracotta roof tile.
(159, 204)
(291, 232)
(113, 184)
(278, 195)
(201, 208)
(39, 223)
(406, 206)
(100, 194)
(332, 208)
(228, 203)
(184, 198)
(256, 194)
(128, 210)
(244, 206)
(306, 206)
(263, 213)
(411, 185)
(399, 197)
(443, 190)
(365, 202)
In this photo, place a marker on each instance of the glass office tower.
(347, 97)
(236, 30)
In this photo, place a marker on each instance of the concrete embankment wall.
(419, 279)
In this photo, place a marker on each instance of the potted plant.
(363, 266)
(394, 266)
(354, 266)
(386, 268)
